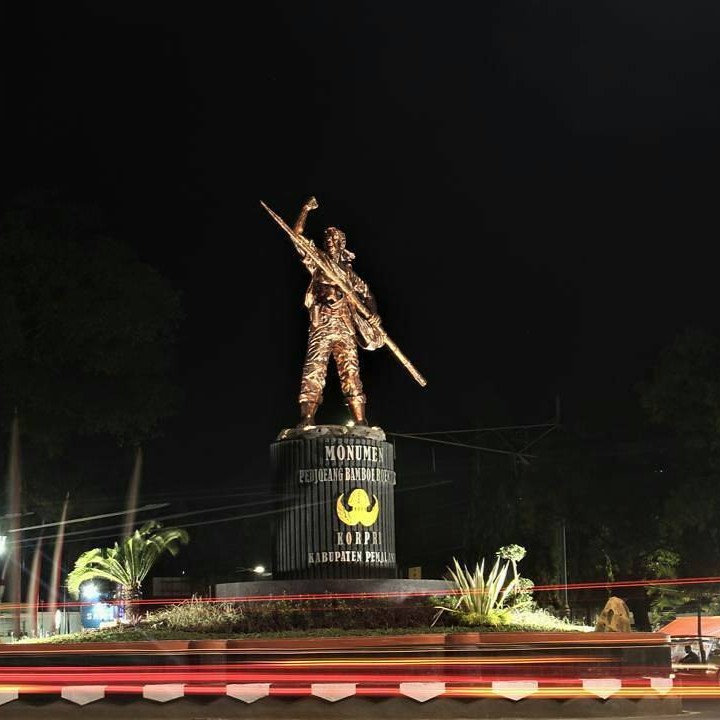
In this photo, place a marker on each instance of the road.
(225, 709)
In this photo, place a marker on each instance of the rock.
(338, 431)
(615, 617)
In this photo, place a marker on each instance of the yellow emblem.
(360, 511)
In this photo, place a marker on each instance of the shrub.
(284, 615)
(197, 614)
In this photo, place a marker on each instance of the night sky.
(530, 190)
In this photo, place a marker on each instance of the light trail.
(457, 691)
(385, 595)
(214, 679)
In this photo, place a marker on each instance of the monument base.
(394, 590)
(335, 513)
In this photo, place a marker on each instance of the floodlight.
(90, 592)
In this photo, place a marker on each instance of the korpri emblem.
(360, 510)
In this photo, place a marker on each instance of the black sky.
(530, 189)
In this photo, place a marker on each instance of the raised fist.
(311, 203)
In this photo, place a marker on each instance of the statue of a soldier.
(336, 326)
(343, 315)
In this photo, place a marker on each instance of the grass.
(542, 621)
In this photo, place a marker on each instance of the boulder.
(615, 617)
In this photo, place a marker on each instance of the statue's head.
(335, 243)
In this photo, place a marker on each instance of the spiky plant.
(480, 600)
(128, 562)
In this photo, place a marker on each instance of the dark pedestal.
(335, 514)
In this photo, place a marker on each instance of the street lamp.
(258, 570)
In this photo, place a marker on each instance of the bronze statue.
(343, 315)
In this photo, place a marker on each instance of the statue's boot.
(307, 414)
(356, 404)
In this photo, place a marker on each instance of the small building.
(48, 623)
(683, 630)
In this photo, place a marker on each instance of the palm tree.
(127, 563)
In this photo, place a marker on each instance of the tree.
(128, 562)
(684, 392)
(592, 485)
(85, 329)
(683, 397)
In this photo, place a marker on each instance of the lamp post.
(3, 549)
(565, 579)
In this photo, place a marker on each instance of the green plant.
(480, 600)
(513, 553)
(128, 562)
(521, 598)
